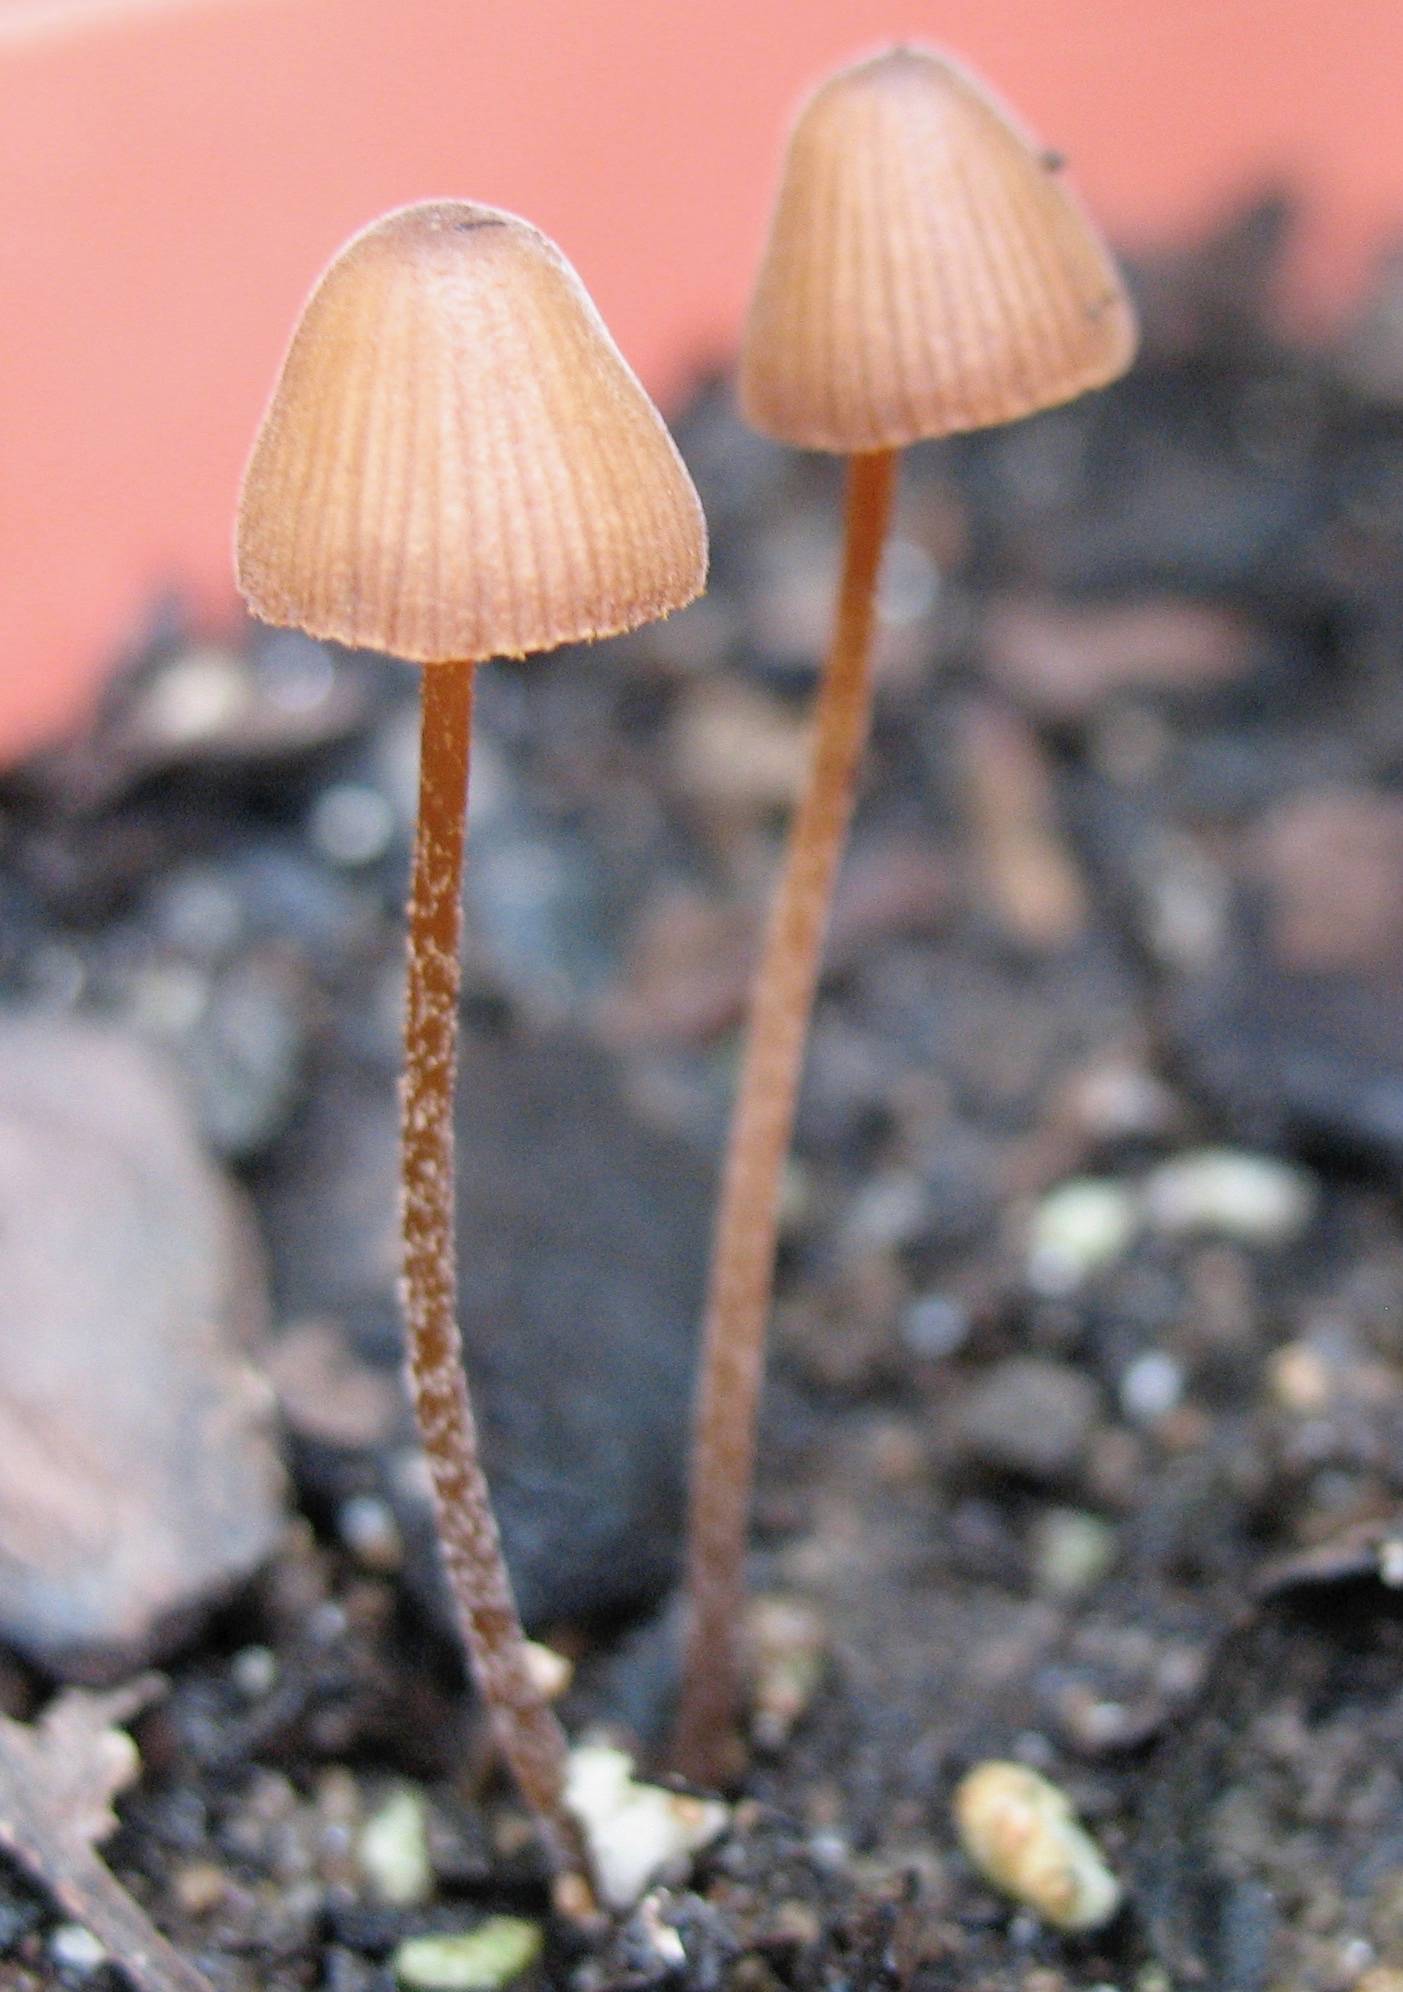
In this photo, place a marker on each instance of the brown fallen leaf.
(58, 1778)
(693, 957)
(1027, 874)
(1062, 660)
(1331, 863)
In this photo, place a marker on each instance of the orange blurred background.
(173, 173)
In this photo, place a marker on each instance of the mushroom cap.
(457, 462)
(927, 269)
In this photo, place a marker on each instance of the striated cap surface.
(927, 269)
(457, 462)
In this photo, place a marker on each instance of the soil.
(1084, 1437)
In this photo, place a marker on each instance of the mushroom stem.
(527, 1732)
(743, 1254)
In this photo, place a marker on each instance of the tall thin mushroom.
(457, 464)
(927, 271)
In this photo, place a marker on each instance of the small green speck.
(481, 1960)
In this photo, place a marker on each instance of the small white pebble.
(1021, 1833)
(393, 1850)
(634, 1831)
(369, 1530)
(1151, 1387)
(787, 1649)
(327, 1624)
(254, 1671)
(830, 1848)
(1119, 1100)
(1100, 1725)
(411, 1469)
(73, 1948)
(1300, 1379)
(198, 695)
(888, 1212)
(551, 1672)
(663, 1941)
(1077, 1231)
(1186, 901)
(1072, 1552)
(1230, 1193)
(1391, 1563)
(351, 824)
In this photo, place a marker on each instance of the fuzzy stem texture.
(741, 1283)
(527, 1732)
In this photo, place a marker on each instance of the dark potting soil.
(1084, 1441)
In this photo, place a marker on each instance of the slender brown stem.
(527, 1732)
(743, 1254)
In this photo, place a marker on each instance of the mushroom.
(927, 271)
(458, 464)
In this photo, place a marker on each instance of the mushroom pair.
(457, 464)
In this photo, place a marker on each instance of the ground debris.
(635, 1831)
(1269, 1849)
(58, 1778)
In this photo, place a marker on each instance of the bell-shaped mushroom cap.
(927, 269)
(457, 462)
